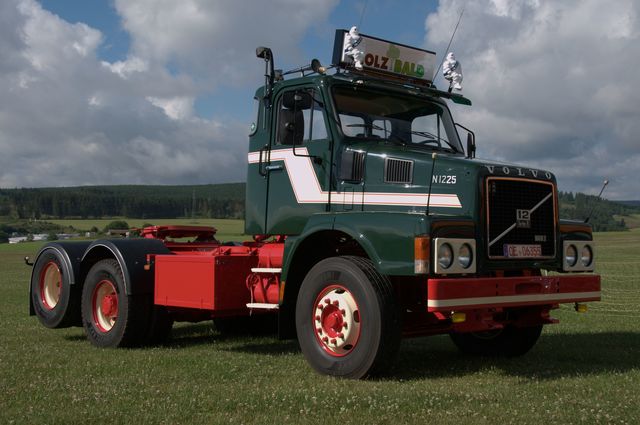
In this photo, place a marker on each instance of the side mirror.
(471, 141)
(263, 52)
(471, 145)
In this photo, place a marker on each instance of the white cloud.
(554, 85)
(216, 39)
(67, 117)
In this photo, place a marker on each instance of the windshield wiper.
(432, 138)
(388, 134)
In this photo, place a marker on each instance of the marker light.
(458, 317)
(421, 254)
(581, 308)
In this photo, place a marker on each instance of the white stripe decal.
(512, 299)
(307, 189)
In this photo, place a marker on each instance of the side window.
(256, 118)
(300, 118)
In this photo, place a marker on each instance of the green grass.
(584, 370)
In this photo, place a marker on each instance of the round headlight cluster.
(449, 253)
(571, 255)
(578, 255)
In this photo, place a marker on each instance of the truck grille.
(520, 218)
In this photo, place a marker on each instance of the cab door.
(299, 161)
(257, 178)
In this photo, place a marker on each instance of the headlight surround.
(586, 256)
(465, 256)
(454, 256)
(445, 256)
(571, 255)
(578, 256)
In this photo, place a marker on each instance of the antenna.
(604, 184)
(449, 45)
(433, 167)
(362, 14)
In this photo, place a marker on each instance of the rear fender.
(131, 255)
(71, 254)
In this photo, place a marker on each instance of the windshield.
(406, 120)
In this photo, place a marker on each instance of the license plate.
(522, 251)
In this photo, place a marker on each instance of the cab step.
(263, 306)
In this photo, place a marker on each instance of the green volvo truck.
(372, 220)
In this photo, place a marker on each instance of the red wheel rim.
(336, 320)
(105, 305)
(50, 285)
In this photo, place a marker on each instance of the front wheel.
(510, 341)
(347, 318)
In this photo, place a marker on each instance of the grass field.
(584, 370)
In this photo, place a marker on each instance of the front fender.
(386, 237)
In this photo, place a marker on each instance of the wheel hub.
(50, 286)
(337, 321)
(105, 305)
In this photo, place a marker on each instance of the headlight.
(454, 256)
(465, 256)
(579, 256)
(571, 255)
(586, 256)
(445, 256)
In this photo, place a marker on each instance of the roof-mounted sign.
(375, 55)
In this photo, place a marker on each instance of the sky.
(160, 92)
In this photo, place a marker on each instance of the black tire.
(508, 342)
(344, 286)
(126, 324)
(55, 301)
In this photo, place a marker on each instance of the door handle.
(274, 167)
(262, 170)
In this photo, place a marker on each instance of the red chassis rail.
(446, 295)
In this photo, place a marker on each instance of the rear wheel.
(110, 317)
(347, 318)
(510, 341)
(55, 301)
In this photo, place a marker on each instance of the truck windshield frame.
(377, 115)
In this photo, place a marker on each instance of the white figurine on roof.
(452, 71)
(352, 41)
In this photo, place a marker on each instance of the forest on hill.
(221, 201)
(136, 201)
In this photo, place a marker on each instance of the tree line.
(605, 216)
(210, 201)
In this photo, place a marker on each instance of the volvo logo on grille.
(523, 219)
